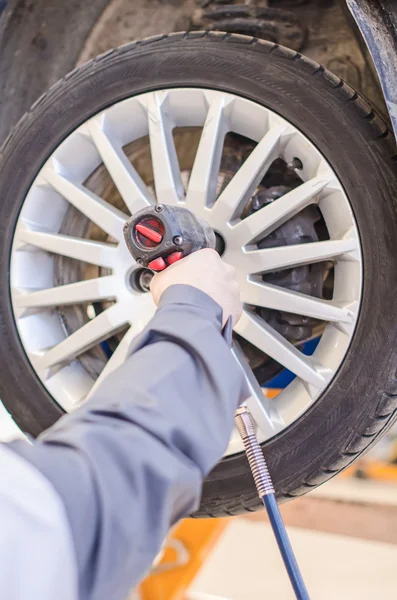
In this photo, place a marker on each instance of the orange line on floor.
(195, 540)
(375, 470)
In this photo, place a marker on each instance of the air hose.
(265, 489)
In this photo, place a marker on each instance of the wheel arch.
(377, 22)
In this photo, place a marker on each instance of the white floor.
(245, 565)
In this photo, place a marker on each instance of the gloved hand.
(206, 271)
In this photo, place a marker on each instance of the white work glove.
(206, 271)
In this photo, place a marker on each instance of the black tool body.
(159, 235)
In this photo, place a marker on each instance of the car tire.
(361, 401)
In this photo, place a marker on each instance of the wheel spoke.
(256, 331)
(100, 288)
(285, 257)
(97, 330)
(273, 215)
(103, 214)
(166, 171)
(203, 181)
(96, 253)
(240, 189)
(261, 408)
(294, 399)
(117, 359)
(278, 298)
(132, 189)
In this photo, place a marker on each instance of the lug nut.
(295, 163)
(139, 261)
(178, 239)
(158, 207)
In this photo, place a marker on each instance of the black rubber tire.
(361, 402)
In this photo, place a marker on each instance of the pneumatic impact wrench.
(159, 236)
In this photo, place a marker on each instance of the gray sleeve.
(130, 463)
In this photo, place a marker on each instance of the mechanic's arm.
(130, 463)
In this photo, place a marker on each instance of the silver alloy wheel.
(54, 352)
